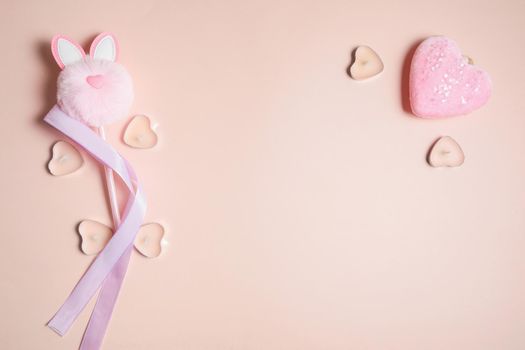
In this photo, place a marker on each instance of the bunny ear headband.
(94, 90)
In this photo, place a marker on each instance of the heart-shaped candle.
(94, 236)
(367, 64)
(65, 159)
(443, 83)
(149, 240)
(446, 152)
(139, 133)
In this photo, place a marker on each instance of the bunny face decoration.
(93, 88)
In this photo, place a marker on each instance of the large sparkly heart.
(443, 83)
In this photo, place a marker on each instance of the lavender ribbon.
(109, 267)
(99, 321)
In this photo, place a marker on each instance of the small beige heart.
(149, 239)
(446, 152)
(65, 159)
(139, 133)
(367, 64)
(94, 236)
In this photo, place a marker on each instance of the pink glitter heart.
(443, 83)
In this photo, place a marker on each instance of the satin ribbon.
(99, 320)
(109, 267)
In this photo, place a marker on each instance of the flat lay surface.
(298, 204)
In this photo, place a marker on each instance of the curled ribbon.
(109, 267)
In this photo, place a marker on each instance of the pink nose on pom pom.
(443, 83)
(95, 80)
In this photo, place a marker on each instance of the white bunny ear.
(66, 51)
(104, 47)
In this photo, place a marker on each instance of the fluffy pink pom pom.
(96, 92)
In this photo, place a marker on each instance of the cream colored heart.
(94, 236)
(139, 133)
(367, 64)
(65, 159)
(446, 152)
(149, 239)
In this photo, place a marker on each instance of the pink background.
(300, 211)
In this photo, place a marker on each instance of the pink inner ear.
(97, 41)
(54, 48)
